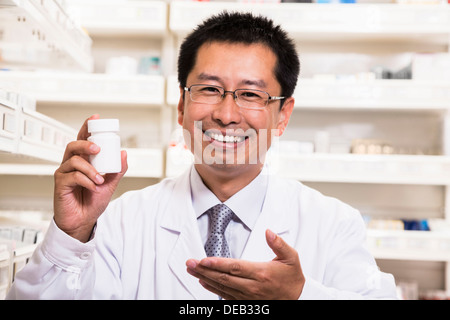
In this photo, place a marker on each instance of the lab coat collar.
(180, 218)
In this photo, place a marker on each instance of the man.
(225, 228)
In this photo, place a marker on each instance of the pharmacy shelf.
(409, 245)
(331, 22)
(103, 89)
(120, 18)
(142, 163)
(42, 137)
(407, 95)
(25, 133)
(27, 169)
(9, 128)
(355, 168)
(342, 168)
(40, 34)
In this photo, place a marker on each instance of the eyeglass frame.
(225, 92)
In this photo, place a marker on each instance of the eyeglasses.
(245, 98)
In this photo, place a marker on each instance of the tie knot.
(220, 215)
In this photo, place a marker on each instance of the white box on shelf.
(145, 163)
(431, 67)
(9, 126)
(5, 270)
(43, 137)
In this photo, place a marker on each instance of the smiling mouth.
(225, 138)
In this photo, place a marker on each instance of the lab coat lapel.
(274, 217)
(181, 219)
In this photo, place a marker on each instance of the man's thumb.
(282, 250)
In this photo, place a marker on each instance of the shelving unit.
(119, 18)
(27, 134)
(410, 245)
(39, 33)
(394, 95)
(335, 22)
(412, 114)
(94, 88)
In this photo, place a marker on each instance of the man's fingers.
(83, 134)
(77, 163)
(282, 250)
(223, 284)
(80, 147)
(224, 271)
(76, 178)
(238, 268)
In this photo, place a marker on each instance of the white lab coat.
(144, 238)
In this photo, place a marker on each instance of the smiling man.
(225, 228)
(233, 107)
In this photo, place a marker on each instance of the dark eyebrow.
(257, 83)
(246, 82)
(206, 76)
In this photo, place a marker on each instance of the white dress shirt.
(246, 205)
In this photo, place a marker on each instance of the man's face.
(225, 136)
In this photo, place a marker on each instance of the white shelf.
(409, 245)
(343, 168)
(120, 18)
(145, 90)
(142, 163)
(137, 90)
(9, 126)
(27, 169)
(42, 137)
(353, 168)
(331, 22)
(396, 95)
(40, 34)
(27, 133)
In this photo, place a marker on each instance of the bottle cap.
(103, 125)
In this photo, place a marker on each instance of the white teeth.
(226, 138)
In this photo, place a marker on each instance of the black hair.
(248, 29)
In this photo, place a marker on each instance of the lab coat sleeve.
(60, 268)
(351, 272)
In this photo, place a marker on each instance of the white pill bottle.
(104, 134)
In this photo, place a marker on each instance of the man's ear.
(180, 107)
(285, 115)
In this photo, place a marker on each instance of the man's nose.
(227, 111)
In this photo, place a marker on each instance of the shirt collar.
(246, 203)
